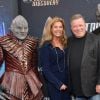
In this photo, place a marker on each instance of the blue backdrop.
(37, 15)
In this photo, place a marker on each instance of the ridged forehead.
(98, 5)
(20, 21)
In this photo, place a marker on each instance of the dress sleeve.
(45, 64)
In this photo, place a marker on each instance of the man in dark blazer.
(83, 61)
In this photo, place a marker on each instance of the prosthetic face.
(98, 12)
(19, 27)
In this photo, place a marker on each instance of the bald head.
(19, 27)
(98, 12)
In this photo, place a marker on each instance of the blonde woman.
(52, 59)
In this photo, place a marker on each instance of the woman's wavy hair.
(47, 34)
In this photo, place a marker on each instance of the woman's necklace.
(60, 69)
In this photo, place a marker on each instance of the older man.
(84, 61)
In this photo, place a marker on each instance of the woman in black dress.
(52, 59)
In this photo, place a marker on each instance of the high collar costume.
(21, 67)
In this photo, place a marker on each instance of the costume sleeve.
(1, 56)
(35, 54)
(45, 64)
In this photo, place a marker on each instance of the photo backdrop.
(37, 11)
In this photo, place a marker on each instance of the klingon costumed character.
(19, 51)
(97, 31)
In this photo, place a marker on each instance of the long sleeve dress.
(55, 71)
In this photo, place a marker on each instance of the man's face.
(98, 13)
(78, 28)
(19, 28)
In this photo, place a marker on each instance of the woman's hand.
(63, 87)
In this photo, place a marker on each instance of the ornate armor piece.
(21, 73)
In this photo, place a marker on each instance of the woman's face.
(57, 29)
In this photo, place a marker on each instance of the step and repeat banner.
(37, 11)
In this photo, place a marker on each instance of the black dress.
(55, 71)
